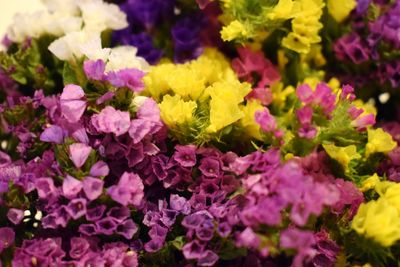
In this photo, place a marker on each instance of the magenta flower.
(99, 169)
(7, 236)
(71, 187)
(72, 103)
(93, 187)
(79, 247)
(266, 121)
(130, 78)
(94, 70)
(79, 153)
(110, 120)
(15, 215)
(185, 155)
(53, 134)
(129, 190)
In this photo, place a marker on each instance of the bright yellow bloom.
(156, 81)
(283, 10)
(224, 104)
(370, 183)
(343, 155)
(379, 141)
(280, 94)
(234, 30)
(176, 111)
(340, 9)
(368, 107)
(297, 43)
(186, 82)
(248, 123)
(378, 220)
(391, 192)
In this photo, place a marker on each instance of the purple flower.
(99, 169)
(110, 120)
(179, 204)
(77, 208)
(248, 238)
(106, 226)
(79, 153)
(71, 187)
(7, 237)
(193, 250)
(300, 240)
(209, 258)
(153, 245)
(79, 247)
(95, 213)
(210, 167)
(15, 215)
(45, 188)
(185, 155)
(129, 190)
(88, 229)
(149, 110)
(72, 105)
(92, 187)
(94, 70)
(53, 134)
(127, 229)
(266, 121)
(119, 213)
(130, 78)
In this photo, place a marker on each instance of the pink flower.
(110, 120)
(79, 153)
(72, 103)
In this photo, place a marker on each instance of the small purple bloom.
(93, 187)
(209, 258)
(71, 187)
(127, 229)
(79, 153)
(179, 204)
(79, 247)
(185, 155)
(53, 134)
(94, 70)
(193, 250)
(266, 121)
(119, 213)
(129, 190)
(45, 188)
(99, 169)
(210, 167)
(72, 105)
(15, 215)
(7, 236)
(95, 213)
(106, 226)
(130, 78)
(77, 208)
(110, 120)
(87, 229)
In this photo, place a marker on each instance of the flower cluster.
(197, 133)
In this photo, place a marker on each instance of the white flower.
(123, 57)
(78, 44)
(99, 16)
(65, 7)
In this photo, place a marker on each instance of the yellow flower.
(378, 220)
(234, 30)
(280, 94)
(340, 9)
(156, 81)
(297, 43)
(186, 82)
(283, 10)
(343, 155)
(379, 141)
(370, 183)
(391, 192)
(176, 111)
(368, 107)
(224, 104)
(248, 123)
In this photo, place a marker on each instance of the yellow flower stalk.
(340, 9)
(248, 123)
(175, 111)
(234, 30)
(343, 155)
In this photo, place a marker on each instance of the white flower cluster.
(64, 16)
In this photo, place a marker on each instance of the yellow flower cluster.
(380, 219)
(305, 25)
(207, 85)
(343, 155)
(340, 9)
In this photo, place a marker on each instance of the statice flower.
(110, 120)
(129, 190)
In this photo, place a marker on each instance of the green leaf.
(69, 75)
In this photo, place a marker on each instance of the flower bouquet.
(200, 133)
